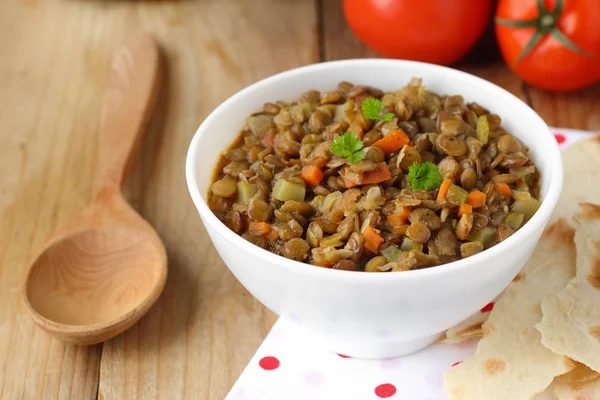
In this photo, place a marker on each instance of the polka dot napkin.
(290, 366)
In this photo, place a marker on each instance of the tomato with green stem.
(551, 44)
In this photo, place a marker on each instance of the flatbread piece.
(510, 361)
(470, 328)
(582, 174)
(571, 319)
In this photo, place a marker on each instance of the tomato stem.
(537, 36)
(558, 35)
(545, 23)
(541, 6)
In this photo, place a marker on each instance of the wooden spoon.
(102, 271)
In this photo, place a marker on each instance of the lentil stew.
(362, 180)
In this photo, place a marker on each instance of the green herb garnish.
(424, 176)
(348, 145)
(372, 108)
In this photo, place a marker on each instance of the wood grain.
(199, 337)
(337, 40)
(201, 334)
(579, 110)
(53, 69)
(46, 156)
(102, 271)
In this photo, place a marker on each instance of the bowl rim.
(533, 225)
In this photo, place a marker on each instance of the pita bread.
(571, 319)
(581, 373)
(587, 390)
(470, 328)
(510, 361)
(581, 161)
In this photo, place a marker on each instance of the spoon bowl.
(97, 276)
(101, 272)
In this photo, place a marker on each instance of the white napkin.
(290, 366)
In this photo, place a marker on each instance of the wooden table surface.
(55, 54)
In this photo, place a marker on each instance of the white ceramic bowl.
(373, 315)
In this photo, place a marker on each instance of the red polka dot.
(560, 138)
(456, 363)
(385, 390)
(488, 307)
(343, 356)
(269, 363)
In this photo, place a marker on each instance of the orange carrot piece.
(312, 175)
(503, 189)
(373, 240)
(380, 174)
(476, 199)
(319, 162)
(465, 208)
(259, 228)
(400, 218)
(444, 189)
(394, 141)
(322, 265)
(348, 183)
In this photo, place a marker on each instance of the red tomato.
(564, 39)
(435, 31)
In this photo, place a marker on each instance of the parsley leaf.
(356, 157)
(348, 145)
(424, 176)
(372, 108)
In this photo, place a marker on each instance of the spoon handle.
(131, 94)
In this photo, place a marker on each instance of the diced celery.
(391, 253)
(514, 220)
(246, 191)
(483, 129)
(521, 194)
(285, 190)
(456, 195)
(527, 207)
(408, 245)
(256, 123)
(485, 236)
